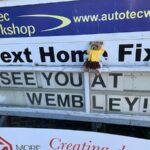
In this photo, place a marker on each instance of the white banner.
(120, 53)
(111, 92)
(113, 81)
(50, 139)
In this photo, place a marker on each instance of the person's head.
(96, 45)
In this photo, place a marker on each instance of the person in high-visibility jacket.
(94, 55)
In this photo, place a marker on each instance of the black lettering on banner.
(77, 101)
(72, 79)
(80, 55)
(17, 57)
(147, 58)
(16, 78)
(98, 80)
(62, 54)
(27, 54)
(113, 102)
(131, 104)
(49, 99)
(5, 78)
(65, 102)
(145, 104)
(94, 103)
(55, 100)
(47, 78)
(115, 76)
(58, 79)
(49, 54)
(34, 98)
(123, 52)
(29, 78)
(6, 57)
(138, 52)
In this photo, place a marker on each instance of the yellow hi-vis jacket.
(94, 55)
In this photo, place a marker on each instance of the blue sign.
(75, 18)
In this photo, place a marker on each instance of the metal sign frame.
(137, 120)
(124, 119)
